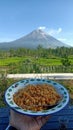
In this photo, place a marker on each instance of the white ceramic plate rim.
(18, 85)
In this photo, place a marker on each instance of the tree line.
(38, 52)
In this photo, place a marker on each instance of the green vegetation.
(10, 60)
(44, 61)
(39, 60)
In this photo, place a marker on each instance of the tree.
(65, 61)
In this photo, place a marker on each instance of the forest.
(38, 52)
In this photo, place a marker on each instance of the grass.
(49, 61)
(4, 84)
(43, 61)
(7, 61)
(68, 84)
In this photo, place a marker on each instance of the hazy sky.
(20, 17)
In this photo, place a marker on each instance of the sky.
(20, 17)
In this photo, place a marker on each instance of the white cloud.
(67, 41)
(42, 27)
(51, 31)
(62, 39)
(54, 31)
(6, 39)
(59, 30)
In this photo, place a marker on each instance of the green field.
(49, 61)
(30, 64)
(10, 60)
(42, 61)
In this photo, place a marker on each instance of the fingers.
(42, 120)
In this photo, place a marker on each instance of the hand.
(23, 122)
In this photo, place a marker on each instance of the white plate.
(18, 85)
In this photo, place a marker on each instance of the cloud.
(6, 39)
(54, 31)
(59, 30)
(51, 31)
(67, 41)
(62, 39)
(42, 27)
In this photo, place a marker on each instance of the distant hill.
(33, 40)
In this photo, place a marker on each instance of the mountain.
(33, 40)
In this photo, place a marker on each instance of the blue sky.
(20, 17)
